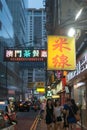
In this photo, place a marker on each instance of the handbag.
(59, 118)
(77, 115)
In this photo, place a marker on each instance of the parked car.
(24, 106)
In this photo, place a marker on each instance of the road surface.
(26, 119)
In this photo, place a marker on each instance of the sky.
(35, 4)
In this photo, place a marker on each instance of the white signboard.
(81, 66)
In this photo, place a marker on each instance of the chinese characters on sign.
(60, 61)
(61, 53)
(49, 94)
(25, 55)
(40, 84)
(80, 67)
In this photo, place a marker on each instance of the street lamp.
(78, 14)
(76, 23)
(71, 32)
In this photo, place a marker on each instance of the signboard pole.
(6, 77)
(22, 85)
(46, 76)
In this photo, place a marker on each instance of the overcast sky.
(35, 3)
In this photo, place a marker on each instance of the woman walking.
(73, 110)
(49, 114)
(58, 115)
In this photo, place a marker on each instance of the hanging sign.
(61, 53)
(24, 55)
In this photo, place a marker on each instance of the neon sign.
(24, 55)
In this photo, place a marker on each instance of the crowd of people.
(59, 117)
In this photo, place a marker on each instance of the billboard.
(61, 53)
(18, 55)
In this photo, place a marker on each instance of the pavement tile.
(42, 126)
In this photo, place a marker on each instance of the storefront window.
(79, 95)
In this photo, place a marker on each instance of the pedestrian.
(72, 109)
(58, 115)
(49, 114)
(65, 115)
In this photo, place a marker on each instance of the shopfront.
(78, 79)
(80, 96)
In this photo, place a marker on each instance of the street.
(25, 119)
(43, 64)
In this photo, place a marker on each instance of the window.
(30, 17)
(0, 6)
(37, 13)
(0, 25)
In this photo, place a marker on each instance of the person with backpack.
(71, 109)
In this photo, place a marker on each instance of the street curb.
(12, 127)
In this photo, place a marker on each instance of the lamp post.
(22, 85)
(73, 30)
(78, 14)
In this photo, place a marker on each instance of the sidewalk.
(42, 126)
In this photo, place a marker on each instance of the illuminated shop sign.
(49, 93)
(81, 66)
(61, 53)
(40, 90)
(24, 55)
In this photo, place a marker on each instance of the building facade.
(9, 80)
(77, 79)
(5, 36)
(38, 75)
(19, 21)
(60, 17)
(19, 25)
(36, 32)
(12, 82)
(36, 38)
